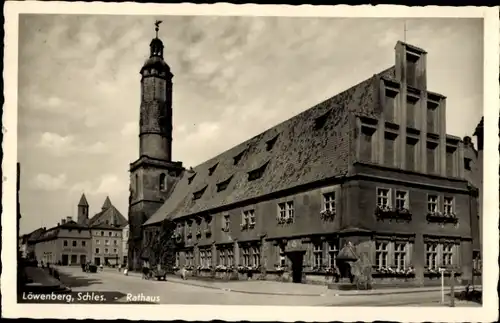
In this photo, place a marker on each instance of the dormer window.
(223, 185)
(257, 173)
(198, 194)
(190, 178)
(270, 143)
(238, 157)
(211, 170)
(467, 162)
(321, 120)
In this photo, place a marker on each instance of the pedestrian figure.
(183, 273)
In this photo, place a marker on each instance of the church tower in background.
(154, 173)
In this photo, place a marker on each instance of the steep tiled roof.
(306, 148)
(108, 218)
(35, 235)
(53, 233)
(83, 201)
(107, 203)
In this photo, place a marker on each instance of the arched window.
(136, 183)
(163, 182)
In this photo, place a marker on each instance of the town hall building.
(372, 168)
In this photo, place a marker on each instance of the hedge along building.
(372, 166)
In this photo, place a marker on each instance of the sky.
(79, 87)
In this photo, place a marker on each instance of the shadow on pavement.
(475, 296)
(73, 281)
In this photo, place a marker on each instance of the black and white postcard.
(298, 163)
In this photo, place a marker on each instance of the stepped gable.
(306, 148)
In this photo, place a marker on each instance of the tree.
(163, 247)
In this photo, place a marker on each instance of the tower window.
(163, 182)
(467, 163)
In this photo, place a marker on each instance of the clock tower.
(152, 175)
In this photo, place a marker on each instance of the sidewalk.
(42, 281)
(264, 287)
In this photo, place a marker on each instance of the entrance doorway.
(83, 259)
(65, 260)
(74, 259)
(97, 261)
(297, 260)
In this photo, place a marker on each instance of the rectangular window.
(106, 242)
(249, 217)
(189, 258)
(98, 241)
(256, 256)
(74, 243)
(114, 251)
(227, 223)
(381, 254)
(245, 252)
(448, 205)
(432, 203)
(400, 255)
(83, 243)
(222, 257)
(65, 243)
(285, 212)
(96, 250)
(106, 251)
(431, 255)
(365, 153)
(389, 152)
(177, 259)
(402, 200)
(390, 105)
(383, 197)
(411, 156)
(318, 255)
(411, 108)
(411, 69)
(450, 161)
(230, 257)
(282, 256)
(431, 157)
(333, 251)
(115, 242)
(202, 258)
(447, 255)
(329, 201)
(467, 163)
(432, 117)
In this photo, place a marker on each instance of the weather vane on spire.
(157, 24)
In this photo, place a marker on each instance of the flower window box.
(189, 235)
(198, 233)
(390, 213)
(208, 232)
(442, 217)
(327, 215)
(244, 226)
(392, 272)
(279, 269)
(251, 225)
(248, 269)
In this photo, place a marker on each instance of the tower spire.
(157, 26)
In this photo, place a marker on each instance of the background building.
(97, 240)
(125, 236)
(68, 243)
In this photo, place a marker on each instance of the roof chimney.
(68, 219)
(63, 221)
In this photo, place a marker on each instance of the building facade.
(97, 240)
(125, 236)
(68, 243)
(372, 169)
